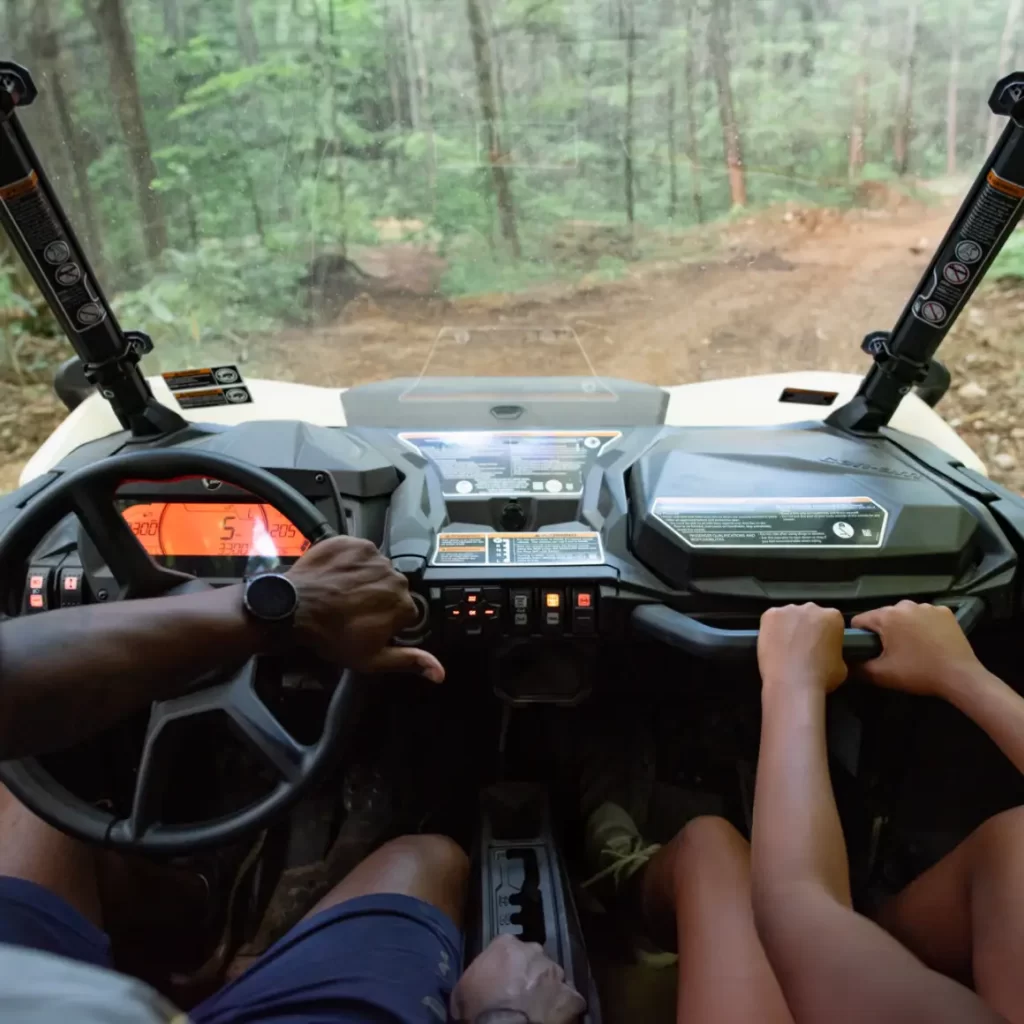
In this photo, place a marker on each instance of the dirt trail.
(777, 295)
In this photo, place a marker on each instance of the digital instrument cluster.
(182, 529)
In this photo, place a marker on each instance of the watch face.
(271, 597)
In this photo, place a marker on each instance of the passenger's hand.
(516, 976)
(351, 603)
(801, 645)
(923, 648)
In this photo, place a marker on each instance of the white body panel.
(739, 401)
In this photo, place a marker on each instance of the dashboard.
(522, 518)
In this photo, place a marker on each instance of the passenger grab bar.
(705, 641)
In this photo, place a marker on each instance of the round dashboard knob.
(416, 631)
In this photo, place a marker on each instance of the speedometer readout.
(244, 529)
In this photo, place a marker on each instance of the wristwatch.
(271, 599)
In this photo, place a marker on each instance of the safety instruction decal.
(210, 377)
(511, 463)
(210, 386)
(40, 229)
(580, 548)
(213, 396)
(992, 213)
(773, 522)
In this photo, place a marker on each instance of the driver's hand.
(923, 646)
(514, 975)
(351, 603)
(801, 645)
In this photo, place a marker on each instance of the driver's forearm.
(797, 836)
(67, 674)
(993, 706)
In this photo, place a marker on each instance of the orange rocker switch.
(584, 614)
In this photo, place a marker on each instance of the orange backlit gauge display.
(246, 530)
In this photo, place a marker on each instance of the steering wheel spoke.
(256, 724)
(155, 763)
(137, 573)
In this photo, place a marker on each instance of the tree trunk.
(626, 10)
(673, 171)
(497, 59)
(332, 83)
(905, 101)
(952, 93)
(692, 138)
(411, 77)
(858, 129)
(108, 20)
(12, 24)
(54, 70)
(248, 45)
(1007, 46)
(732, 144)
(172, 21)
(492, 138)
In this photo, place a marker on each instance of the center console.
(520, 887)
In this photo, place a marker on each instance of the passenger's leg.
(49, 894)
(383, 943)
(697, 890)
(965, 916)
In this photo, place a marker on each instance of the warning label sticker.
(512, 463)
(213, 396)
(583, 548)
(992, 214)
(774, 522)
(55, 257)
(210, 377)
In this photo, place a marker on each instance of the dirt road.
(797, 293)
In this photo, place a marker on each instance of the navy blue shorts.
(371, 960)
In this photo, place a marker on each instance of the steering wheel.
(89, 494)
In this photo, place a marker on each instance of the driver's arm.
(67, 674)
(831, 963)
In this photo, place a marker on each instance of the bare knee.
(709, 849)
(436, 857)
(708, 838)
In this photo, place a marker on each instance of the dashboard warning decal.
(774, 522)
(208, 377)
(213, 396)
(582, 548)
(512, 463)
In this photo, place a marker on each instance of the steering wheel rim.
(88, 493)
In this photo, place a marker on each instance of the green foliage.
(216, 296)
(281, 130)
(1010, 261)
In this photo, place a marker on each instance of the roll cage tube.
(984, 221)
(33, 218)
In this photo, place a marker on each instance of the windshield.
(669, 191)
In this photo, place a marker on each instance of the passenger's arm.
(831, 963)
(925, 652)
(67, 674)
